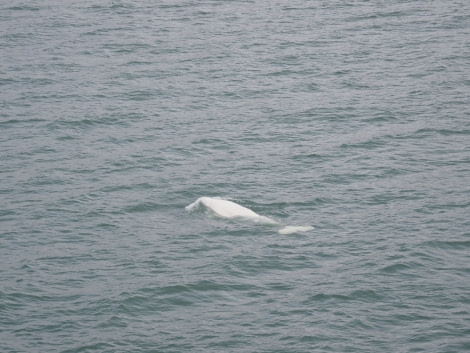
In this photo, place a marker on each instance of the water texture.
(350, 116)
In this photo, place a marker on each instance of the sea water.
(349, 116)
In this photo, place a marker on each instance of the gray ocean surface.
(349, 116)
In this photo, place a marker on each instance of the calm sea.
(349, 116)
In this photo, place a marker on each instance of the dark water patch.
(15, 122)
(402, 268)
(323, 297)
(449, 244)
(92, 347)
(22, 8)
(444, 132)
(86, 123)
(144, 207)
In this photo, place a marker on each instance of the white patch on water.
(294, 229)
(230, 210)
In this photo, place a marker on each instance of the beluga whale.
(230, 210)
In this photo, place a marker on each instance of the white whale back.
(229, 210)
